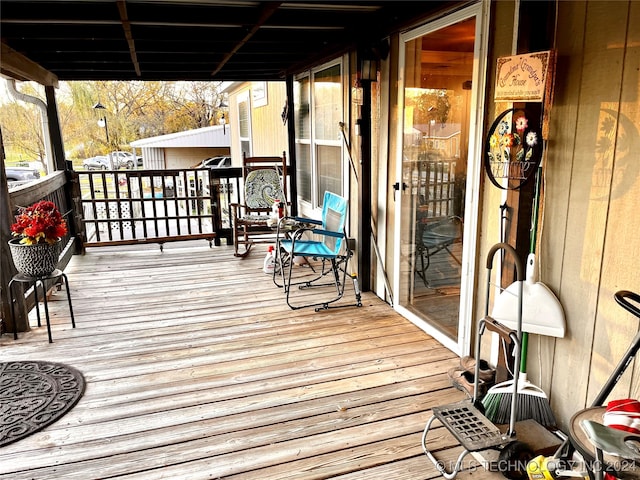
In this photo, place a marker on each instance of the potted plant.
(38, 229)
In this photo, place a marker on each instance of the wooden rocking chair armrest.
(237, 207)
(234, 209)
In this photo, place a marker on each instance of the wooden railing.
(120, 207)
(53, 188)
(436, 185)
(126, 207)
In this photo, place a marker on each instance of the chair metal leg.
(282, 262)
(337, 269)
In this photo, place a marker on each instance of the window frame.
(312, 143)
(244, 97)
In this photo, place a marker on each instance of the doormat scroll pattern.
(35, 394)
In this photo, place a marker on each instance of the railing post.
(7, 268)
(214, 195)
(75, 197)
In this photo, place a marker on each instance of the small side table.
(56, 274)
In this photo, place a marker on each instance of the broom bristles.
(528, 407)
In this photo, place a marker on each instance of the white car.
(125, 159)
(215, 162)
(21, 175)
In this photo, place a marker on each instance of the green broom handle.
(524, 347)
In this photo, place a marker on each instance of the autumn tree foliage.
(133, 110)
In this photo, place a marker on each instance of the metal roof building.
(184, 149)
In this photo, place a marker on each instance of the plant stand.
(55, 275)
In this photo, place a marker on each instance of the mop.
(532, 402)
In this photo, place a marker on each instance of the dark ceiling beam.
(188, 39)
(15, 65)
(265, 14)
(126, 26)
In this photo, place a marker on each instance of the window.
(302, 102)
(318, 111)
(244, 123)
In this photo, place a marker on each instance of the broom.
(531, 401)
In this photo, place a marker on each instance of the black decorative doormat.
(34, 395)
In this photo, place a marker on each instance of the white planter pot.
(35, 260)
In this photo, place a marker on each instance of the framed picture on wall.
(259, 94)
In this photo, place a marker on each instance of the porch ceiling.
(224, 40)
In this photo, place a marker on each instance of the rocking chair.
(265, 181)
(322, 241)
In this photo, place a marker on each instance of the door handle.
(396, 186)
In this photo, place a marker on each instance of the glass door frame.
(462, 345)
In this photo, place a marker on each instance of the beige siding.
(269, 131)
(589, 242)
(589, 246)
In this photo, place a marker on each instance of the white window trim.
(311, 209)
(245, 97)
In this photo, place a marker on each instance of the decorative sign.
(513, 149)
(522, 77)
(259, 94)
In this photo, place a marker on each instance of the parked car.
(99, 162)
(20, 175)
(125, 159)
(215, 162)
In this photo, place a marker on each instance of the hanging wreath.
(512, 149)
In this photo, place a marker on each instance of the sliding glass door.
(440, 65)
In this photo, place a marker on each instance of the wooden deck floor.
(196, 368)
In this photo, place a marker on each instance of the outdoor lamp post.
(102, 121)
(223, 118)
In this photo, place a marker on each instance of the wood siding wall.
(588, 243)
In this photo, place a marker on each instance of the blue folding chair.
(319, 240)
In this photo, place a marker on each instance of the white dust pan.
(542, 312)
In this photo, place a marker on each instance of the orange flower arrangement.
(39, 223)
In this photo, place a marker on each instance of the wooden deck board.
(196, 368)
